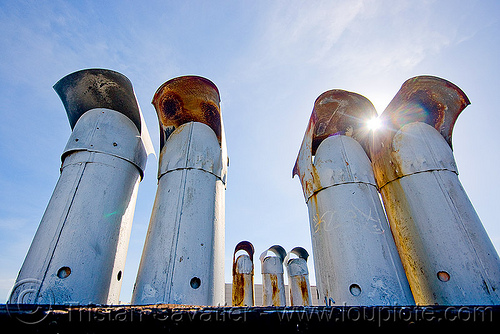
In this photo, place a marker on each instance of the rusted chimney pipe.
(447, 255)
(183, 257)
(356, 261)
(242, 289)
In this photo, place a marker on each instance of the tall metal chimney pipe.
(356, 261)
(183, 257)
(78, 252)
(447, 255)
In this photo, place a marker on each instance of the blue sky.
(270, 61)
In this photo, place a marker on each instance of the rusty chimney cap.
(245, 246)
(88, 89)
(427, 99)
(187, 99)
(335, 112)
(340, 112)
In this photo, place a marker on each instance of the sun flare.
(374, 123)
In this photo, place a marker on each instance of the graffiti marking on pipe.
(325, 221)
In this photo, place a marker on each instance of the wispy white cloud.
(301, 31)
(358, 36)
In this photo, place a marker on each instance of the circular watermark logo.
(27, 303)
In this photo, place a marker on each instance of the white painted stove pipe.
(78, 253)
(356, 260)
(183, 257)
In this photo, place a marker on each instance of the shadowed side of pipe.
(183, 256)
(79, 250)
(355, 258)
(447, 255)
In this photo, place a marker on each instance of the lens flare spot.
(374, 123)
(107, 215)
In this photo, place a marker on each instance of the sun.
(374, 123)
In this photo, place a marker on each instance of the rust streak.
(238, 291)
(275, 289)
(304, 290)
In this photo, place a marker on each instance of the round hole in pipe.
(443, 276)
(195, 282)
(63, 272)
(119, 275)
(355, 289)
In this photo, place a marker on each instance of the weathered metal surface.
(273, 285)
(188, 99)
(96, 132)
(97, 88)
(352, 242)
(78, 254)
(356, 260)
(183, 257)
(336, 112)
(243, 269)
(298, 277)
(446, 253)
(192, 151)
(425, 99)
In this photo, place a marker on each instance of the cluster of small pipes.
(273, 284)
(390, 222)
